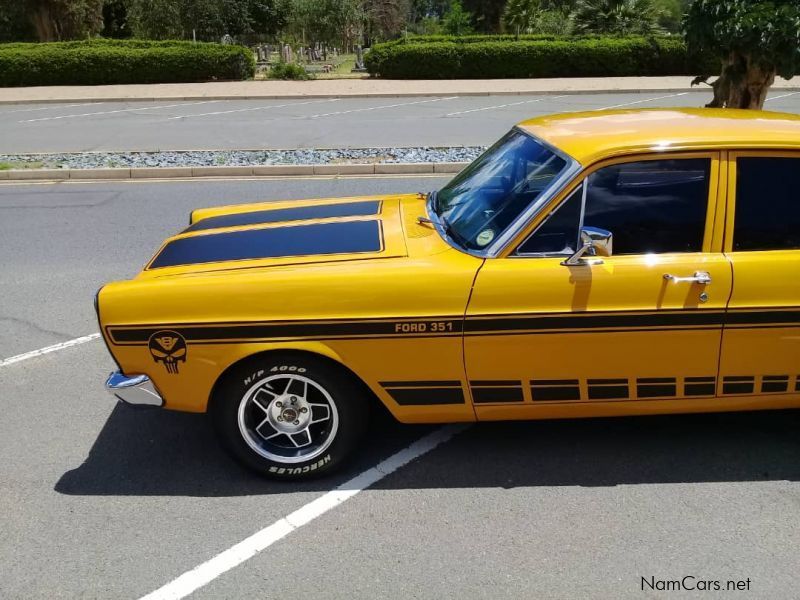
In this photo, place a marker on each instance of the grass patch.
(7, 166)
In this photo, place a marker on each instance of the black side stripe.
(593, 321)
(774, 383)
(608, 389)
(738, 384)
(290, 329)
(438, 327)
(656, 387)
(700, 386)
(295, 213)
(549, 390)
(414, 384)
(487, 391)
(424, 393)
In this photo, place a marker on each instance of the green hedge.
(575, 57)
(499, 37)
(97, 62)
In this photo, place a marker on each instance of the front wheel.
(292, 418)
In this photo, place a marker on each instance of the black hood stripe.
(295, 213)
(346, 237)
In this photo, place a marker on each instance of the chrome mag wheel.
(288, 418)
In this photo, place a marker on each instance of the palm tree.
(618, 17)
(520, 15)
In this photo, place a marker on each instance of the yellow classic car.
(625, 262)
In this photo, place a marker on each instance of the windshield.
(488, 196)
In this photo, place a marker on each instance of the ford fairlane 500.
(608, 263)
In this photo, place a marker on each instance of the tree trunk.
(742, 84)
(44, 25)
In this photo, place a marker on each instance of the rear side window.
(767, 213)
(654, 206)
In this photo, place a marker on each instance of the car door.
(638, 331)
(761, 340)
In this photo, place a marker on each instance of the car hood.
(301, 232)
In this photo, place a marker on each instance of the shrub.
(97, 62)
(557, 57)
(493, 37)
(284, 70)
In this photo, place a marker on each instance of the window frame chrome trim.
(572, 168)
(517, 254)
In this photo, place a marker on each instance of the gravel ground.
(210, 158)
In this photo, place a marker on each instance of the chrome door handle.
(701, 277)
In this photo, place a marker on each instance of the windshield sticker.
(484, 237)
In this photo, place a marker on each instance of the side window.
(653, 206)
(559, 233)
(767, 213)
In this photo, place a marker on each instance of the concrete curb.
(253, 171)
(322, 96)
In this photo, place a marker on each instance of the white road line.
(641, 101)
(114, 112)
(50, 107)
(239, 110)
(355, 110)
(782, 96)
(260, 541)
(464, 112)
(49, 349)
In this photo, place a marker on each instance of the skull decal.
(168, 347)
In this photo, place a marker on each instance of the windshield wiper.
(433, 195)
(447, 228)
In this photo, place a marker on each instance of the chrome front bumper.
(136, 391)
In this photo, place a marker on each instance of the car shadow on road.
(172, 454)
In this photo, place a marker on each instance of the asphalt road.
(314, 123)
(100, 501)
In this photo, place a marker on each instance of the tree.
(671, 14)
(115, 20)
(14, 23)
(51, 20)
(156, 19)
(338, 22)
(554, 22)
(755, 40)
(520, 16)
(618, 17)
(208, 20)
(486, 14)
(456, 20)
(386, 18)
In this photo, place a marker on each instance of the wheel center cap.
(290, 414)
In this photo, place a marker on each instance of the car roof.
(592, 136)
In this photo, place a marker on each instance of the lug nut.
(297, 422)
(304, 410)
(294, 400)
(280, 418)
(279, 404)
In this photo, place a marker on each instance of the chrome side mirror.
(594, 242)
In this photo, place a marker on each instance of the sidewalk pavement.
(355, 88)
